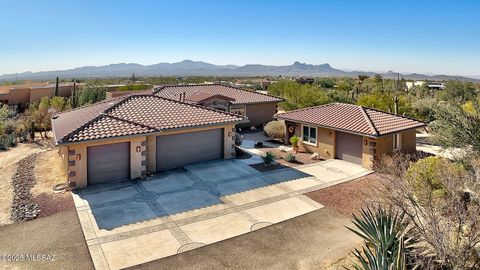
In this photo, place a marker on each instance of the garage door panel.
(186, 148)
(349, 147)
(108, 162)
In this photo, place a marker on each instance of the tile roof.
(132, 115)
(201, 96)
(352, 118)
(240, 96)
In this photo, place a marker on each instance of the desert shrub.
(275, 129)
(427, 176)
(9, 126)
(269, 158)
(134, 87)
(290, 157)
(11, 141)
(258, 144)
(238, 139)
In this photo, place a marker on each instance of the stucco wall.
(19, 96)
(77, 169)
(325, 146)
(259, 114)
(409, 142)
(37, 93)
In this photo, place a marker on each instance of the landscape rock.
(283, 148)
(314, 156)
(23, 206)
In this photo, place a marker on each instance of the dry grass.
(48, 172)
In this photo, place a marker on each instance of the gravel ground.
(301, 158)
(23, 206)
(50, 204)
(348, 197)
(59, 235)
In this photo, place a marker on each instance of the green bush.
(11, 141)
(134, 87)
(275, 129)
(269, 158)
(290, 157)
(427, 176)
(294, 140)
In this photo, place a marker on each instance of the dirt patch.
(349, 197)
(300, 158)
(59, 235)
(48, 172)
(50, 204)
(8, 167)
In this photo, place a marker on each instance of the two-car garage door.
(110, 162)
(186, 148)
(349, 147)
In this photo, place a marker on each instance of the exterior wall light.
(78, 157)
(330, 134)
(365, 142)
(229, 134)
(138, 149)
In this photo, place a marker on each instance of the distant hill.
(198, 68)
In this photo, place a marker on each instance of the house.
(22, 95)
(353, 133)
(128, 136)
(257, 107)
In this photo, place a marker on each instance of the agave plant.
(383, 233)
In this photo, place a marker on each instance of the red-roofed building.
(128, 136)
(353, 133)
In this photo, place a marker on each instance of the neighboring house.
(27, 94)
(353, 133)
(126, 137)
(259, 108)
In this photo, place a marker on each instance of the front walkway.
(128, 223)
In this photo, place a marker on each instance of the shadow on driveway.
(175, 191)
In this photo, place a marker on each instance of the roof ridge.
(369, 121)
(82, 127)
(158, 89)
(311, 108)
(131, 122)
(398, 115)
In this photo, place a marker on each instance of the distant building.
(305, 80)
(436, 86)
(410, 85)
(22, 95)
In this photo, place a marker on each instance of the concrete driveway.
(128, 223)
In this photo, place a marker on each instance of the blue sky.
(407, 36)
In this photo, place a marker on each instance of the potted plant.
(268, 159)
(294, 141)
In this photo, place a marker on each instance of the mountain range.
(199, 68)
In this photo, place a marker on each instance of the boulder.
(314, 156)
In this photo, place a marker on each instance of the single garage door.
(108, 162)
(349, 147)
(186, 148)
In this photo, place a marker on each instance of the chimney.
(184, 94)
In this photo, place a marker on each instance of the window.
(310, 135)
(240, 111)
(397, 141)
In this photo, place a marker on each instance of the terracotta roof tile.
(240, 96)
(352, 118)
(131, 115)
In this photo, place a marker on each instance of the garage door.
(108, 162)
(181, 149)
(349, 147)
